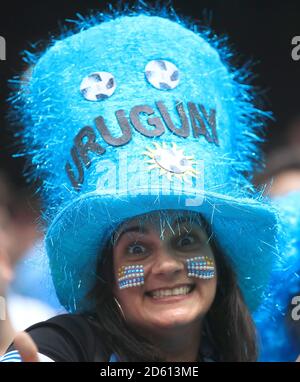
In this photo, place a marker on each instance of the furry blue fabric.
(278, 341)
(92, 181)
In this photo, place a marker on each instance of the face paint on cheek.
(130, 276)
(201, 267)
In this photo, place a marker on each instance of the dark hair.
(228, 328)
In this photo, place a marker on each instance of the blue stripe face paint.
(130, 276)
(201, 267)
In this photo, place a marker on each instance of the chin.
(171, 322)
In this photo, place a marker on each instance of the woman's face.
(161, 243)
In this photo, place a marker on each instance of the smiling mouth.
(178, 291)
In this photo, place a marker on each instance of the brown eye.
(136, 249)
(186, 241)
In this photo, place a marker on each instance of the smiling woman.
(164, 260)
(168, 297)
(173, 315)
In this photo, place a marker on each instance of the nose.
(165, 263)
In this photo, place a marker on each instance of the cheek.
(207, 291)
(131, 301)
(128, 297)
(129, 276)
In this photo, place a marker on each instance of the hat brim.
(245, 229)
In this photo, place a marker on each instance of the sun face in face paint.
(171, 161)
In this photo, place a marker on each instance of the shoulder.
(67, 338)
(65, 322)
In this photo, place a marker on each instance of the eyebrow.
(186, 219)
(177, 221)
(132, 229)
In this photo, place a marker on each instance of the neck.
(180, 344)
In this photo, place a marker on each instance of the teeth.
(171, 292)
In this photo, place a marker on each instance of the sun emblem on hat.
(171, 161)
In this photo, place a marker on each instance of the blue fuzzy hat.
(137, 114)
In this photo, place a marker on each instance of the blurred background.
(259, 30)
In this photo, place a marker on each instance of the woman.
(182, 315)
(142, 136)
(171, 316)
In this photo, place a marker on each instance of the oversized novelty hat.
(137, 114)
